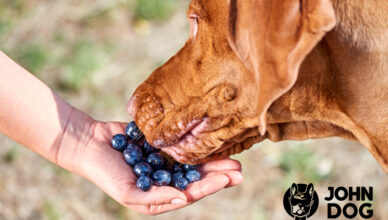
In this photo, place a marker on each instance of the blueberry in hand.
(132, 146)
(144, 183)
(161, 178)
(132, 131)
(156, 160)
(188, 167)
(148, 149)
(192, 176)
(181, 183)
(133, 155)
(177, 167)
(119, 142)
(176, 176)
(142, 169)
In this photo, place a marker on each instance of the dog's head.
(301, 202)
(241, 56)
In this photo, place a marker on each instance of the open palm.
(106, 168)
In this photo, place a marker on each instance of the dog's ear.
(272, 38)
(310, 189)
(294, 189)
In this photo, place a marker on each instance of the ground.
(94, 53)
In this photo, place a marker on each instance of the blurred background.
(94, 53)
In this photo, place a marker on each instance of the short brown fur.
(340, 86)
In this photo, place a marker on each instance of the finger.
(157, 209)
(117, 127)
(207, 186)
(195, 192)
(235, 177)
(217, 165)
(155, 196)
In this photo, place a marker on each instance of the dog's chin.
(198, 139)
(186, 157)
(190, 143)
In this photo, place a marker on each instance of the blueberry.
(119, 142)
(148, 149)
(133, 155)
(188, 167)
(132, 131)
(176, 176)
(156, 160)
(177, 167)
(142, 169)
(192, 176)
(161, 178)
(132, 145)
(181, 183)
(144, 183)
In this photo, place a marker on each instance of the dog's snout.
(146, 109)
(228, 93)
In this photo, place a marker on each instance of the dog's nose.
(146, 109)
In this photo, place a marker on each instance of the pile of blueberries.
(148, 163)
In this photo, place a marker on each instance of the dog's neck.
(342, 88)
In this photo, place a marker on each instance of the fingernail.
(178, 201)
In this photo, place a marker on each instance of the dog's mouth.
(193, 144)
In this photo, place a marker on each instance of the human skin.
(36, 117)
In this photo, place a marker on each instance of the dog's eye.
(193, 26)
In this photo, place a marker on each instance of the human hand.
(97, 161)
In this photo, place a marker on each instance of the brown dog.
(282, 70)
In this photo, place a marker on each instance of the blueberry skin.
(181, 183)
(144, 183)
(148, 149)
(161, 178)
(132, 145)
(132, 131)
(176, 176)
(156, 160)
(193, 176)
(133, 155)
(142, 169)
(119, 142)
(177, 167)
(188, 167)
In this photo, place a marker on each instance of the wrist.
(76, 134)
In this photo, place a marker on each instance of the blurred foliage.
(79, 64)
(11, 155)
(50, 211)
(33, 57)
(303, 163)
(121, 212)
(63, 174)
(155, 9)
(9, 8)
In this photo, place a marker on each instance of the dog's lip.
(177, 152)
(179, 155)
(194, 127)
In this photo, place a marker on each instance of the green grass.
(301, 164)
(50, 211)
(33, 57)
(78, 65)
(155, 9)
(120, 212)
(11, 155)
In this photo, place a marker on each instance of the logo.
(350, 209)
(301, 201)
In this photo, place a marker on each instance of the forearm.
(32, 114)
